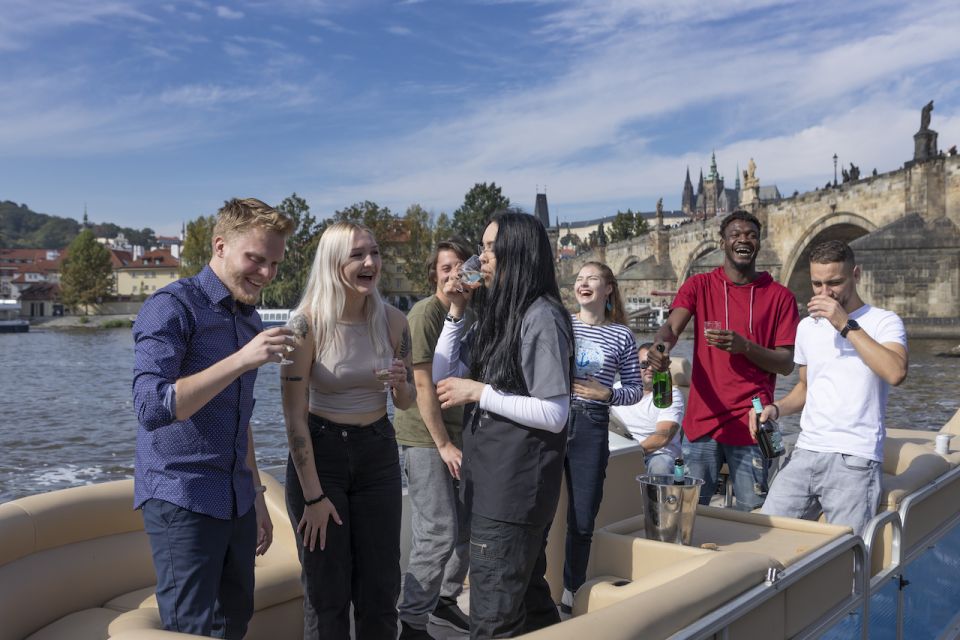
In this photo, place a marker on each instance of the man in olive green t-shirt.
(431, 441)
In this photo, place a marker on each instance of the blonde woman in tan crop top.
(343, 475)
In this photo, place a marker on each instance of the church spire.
(688, 202)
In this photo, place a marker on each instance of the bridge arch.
(842, 225)
(702, 249)
(628, 262)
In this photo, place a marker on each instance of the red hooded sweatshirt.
(722, 384)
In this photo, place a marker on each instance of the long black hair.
(524, 272)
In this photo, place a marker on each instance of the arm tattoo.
(405, 344)
(292, 378)
(299, 451)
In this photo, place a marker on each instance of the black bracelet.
(310, 503)
(777, 407)
(453, 319)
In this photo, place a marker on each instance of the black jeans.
(204, 569)
(509, 594)
(359, 469)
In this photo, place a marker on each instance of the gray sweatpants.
(440, 553)
(845, 487)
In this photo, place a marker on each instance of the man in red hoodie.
(758, 323)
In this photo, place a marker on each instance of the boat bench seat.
(76, 564)
(663, 587)
(909, 464)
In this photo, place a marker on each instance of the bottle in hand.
(662, 387)
(768, 434)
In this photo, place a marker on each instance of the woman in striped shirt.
(605, 347)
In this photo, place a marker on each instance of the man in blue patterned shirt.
(198, 343)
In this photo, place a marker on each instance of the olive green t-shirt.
(426, 322)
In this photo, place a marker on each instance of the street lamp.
(834, 169)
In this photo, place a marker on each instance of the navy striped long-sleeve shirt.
(602, 352)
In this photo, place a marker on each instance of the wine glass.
(299, 326)
(381, 369)
(469, 271)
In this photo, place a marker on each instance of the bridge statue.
(925, 116)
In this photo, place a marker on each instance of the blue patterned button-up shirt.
(199, 463)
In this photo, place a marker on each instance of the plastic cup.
(712, 325)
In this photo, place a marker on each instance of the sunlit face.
(488, 260)
(361, 270)
(591, 287)
(741, 244)
(247, 261)
(447, 264)
(646, 373)
(837, 280)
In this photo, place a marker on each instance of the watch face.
(852, 324)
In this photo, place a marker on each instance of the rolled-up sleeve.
(160, 342)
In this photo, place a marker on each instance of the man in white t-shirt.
(657, 430)
(849, 354)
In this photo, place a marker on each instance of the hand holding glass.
(299, 326)
(381, 369)
(712, 325)
(469, 272)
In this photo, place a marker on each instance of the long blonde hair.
(325, 296)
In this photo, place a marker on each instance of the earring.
(608, 305)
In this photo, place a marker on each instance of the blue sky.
(153, 112)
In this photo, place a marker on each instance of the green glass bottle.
(662, 387)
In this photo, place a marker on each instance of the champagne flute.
(381, 369)
(299, 326)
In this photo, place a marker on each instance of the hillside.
(22, 228)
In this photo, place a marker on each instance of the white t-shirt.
(641, 419)
(846, 401)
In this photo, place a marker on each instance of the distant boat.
(10, 320)
(274, 317)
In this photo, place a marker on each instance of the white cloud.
(399, 30)
(228, 14)
(23, 21)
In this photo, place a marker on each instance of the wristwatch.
(852, 325)
(453, 319)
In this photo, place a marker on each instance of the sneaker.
(566, 602)
(408, 632)
(448, 614)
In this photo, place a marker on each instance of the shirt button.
(343, 434)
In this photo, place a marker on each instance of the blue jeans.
(359, 470)
(585, 469)
(660, 464)
(747, 466)
(845, 487)
(509, 594)
(204, 569)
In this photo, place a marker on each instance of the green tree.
(416, 250)
(479, 204)
(622, 226)
(640, 226)
(285, 290)
(443, 229)
(86, 276)
(197, 246)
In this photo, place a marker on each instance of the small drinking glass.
(469, 271)
(381, 369)
(712, 325)
(299, 326)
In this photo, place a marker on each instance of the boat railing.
(716, 623)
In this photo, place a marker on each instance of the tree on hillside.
(285, 290)
(622, 226)
(197, 246)
(416, 250)
(86, 276)
(479, 204)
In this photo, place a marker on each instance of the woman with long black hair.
(519, 359)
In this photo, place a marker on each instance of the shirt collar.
(218, 293)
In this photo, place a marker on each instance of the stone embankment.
(91, 322)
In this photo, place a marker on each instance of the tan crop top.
(342, 380)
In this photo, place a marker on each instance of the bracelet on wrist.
(777, 407)
(310, 503)
(454, 319)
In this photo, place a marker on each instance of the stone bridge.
(904, 227)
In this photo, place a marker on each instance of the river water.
(66, 412)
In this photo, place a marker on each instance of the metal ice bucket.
(669, 509)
